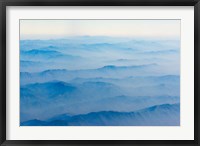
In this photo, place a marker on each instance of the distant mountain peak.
(53, 70)
(57, 83)
(98, 83)
(109, 66)
(36, 51)
(52, 47)
(126, 67)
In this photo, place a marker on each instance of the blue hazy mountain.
(135, 86)
(162, 115)
(113, 67)
(76, 98)
(87, 52)
(41, 53)
(161, 52)
(109, 71)
(26, 65)
(134, 81)
(99, 80)
(34, 122)
(55, 95)
(45, 54)
(48, 89)
(96, 40)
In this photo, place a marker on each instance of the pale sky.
(50, 29)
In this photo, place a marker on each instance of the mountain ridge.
(142, 117)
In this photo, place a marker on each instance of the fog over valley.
(100, 81)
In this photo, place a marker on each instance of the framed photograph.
(99, 72)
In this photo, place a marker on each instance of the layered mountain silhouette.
(46, 54)
(99, 81)
(106, 72)
(162, 115)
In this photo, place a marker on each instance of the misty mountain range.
(162, 115)
(99, 81)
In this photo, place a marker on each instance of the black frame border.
(5, 3)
